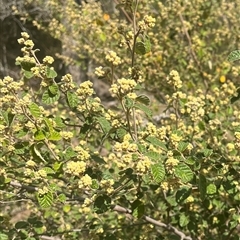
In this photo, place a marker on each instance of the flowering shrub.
(85, 170)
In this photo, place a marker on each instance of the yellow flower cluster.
(147, 22)
(175, 139)
(85, 181)
(174, 79)
(66, 135)
(28, 44)
(237, 140)
(107, 185)
(122, 87)
(194, 107)
(82, 154)
(143, 165)
(48, 60)
(170, 163)
(41, 174)
(43, 190)
(99, 71)
(85, 90)
(112, 57)
(75, 168)
(7, 84)
(67, 83)
(91, 105)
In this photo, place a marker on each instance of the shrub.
(85, 170)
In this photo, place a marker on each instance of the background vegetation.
(119, 119)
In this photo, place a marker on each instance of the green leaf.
(62, 197)
(102, 203)
(182, 146)
(48, 170)
(54, 89)
(37, 152)
(157, 143)
(69, 153)
(59, 122)
(121, 132)
(20, 147)
(140, 48)
(202, 184)
(234, 56)
(98, 159)
(207, 152)
(153, 155)
(49, 123)
(39, 135)
(50, 73)
(158, 172)
(104, 123)
(49, 98)
(211, 189)
(54, 136)
(184, 172)
(128, 102)
(21, 225)
(143, 99)
(147, 44)
(236, 98)
(183, 194)
(144, 108)
(22, 132)
(184, 220)
(140, 210)
(8, 117)
(3, 236)
(27, 65)
(95, 184)
(27, 74)
(72, 99)
(45, 200)
(35, 110)
(56, 166)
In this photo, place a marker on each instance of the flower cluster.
(122, 87)
(85, 90)
(174, 79)
(113, 58)
(67, 83)
(99, 71)
(147, 22)
(85, 181)
(75, 168)
(7, 84)
(82, 154)
(28, 44)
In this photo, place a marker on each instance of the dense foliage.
(83, 169)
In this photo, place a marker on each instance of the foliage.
(87, 170)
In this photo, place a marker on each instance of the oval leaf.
(158, 172)
(35, 110)
(184, 172)
(234, 56)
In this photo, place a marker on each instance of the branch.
(118, 208)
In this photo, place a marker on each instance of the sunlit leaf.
(184, 172)
(34, 110)
(72, 99)
(50, 73)
(45, 200)
(234, 56)
(158, 172)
